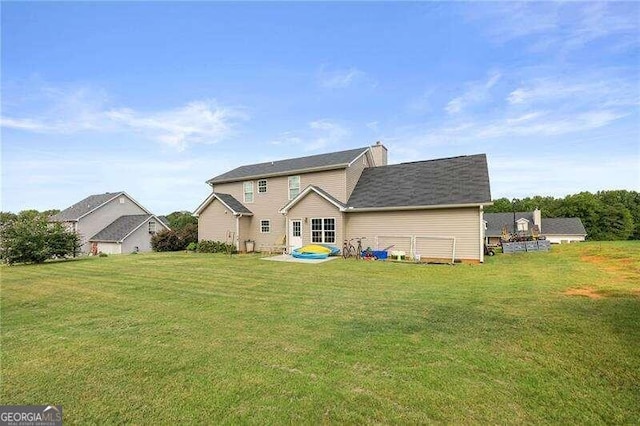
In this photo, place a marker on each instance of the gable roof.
(434, 183)
(120, 228)
(330, 161)
(321, 192)
(563, 226)
(163, 219)
(549, 226)
(83, 207)
(228, 200)
(87, 205)
(495, 222)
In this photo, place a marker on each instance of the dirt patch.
(594, 259)
(586, 292)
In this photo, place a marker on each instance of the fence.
(526, 246)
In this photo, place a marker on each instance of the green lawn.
(208, 339)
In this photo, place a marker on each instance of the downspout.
(481, 233)
(238, 216)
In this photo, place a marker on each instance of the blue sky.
(156, 98)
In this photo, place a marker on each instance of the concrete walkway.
(289, 258)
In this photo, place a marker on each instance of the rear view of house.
(431, 209)
(111, 223)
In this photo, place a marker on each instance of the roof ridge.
(439, 159)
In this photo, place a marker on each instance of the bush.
(167, 241)
(206, 246)
(192, 246)
(30, 238)
(175, 240)
(188, 234)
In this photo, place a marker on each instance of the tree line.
(606, 215)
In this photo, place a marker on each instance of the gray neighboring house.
(111, 223)
(557, 230)
(429, 209)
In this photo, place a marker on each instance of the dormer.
(522, 224)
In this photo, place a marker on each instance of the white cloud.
(318, 135)
(560, 26)
(592, 89)
(476, 92)
(82, 109)
(343, 78)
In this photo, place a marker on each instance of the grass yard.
(160, 338)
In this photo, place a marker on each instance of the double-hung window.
(152, 227)
(262, 186)
(294, 186)
(248, 191)
(323, 230)
(265, 226)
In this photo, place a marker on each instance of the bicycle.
(349, 250)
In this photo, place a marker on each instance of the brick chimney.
(379, 152)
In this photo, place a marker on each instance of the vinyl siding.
(141, 238)
(214, 223)
(265, 206)
(353, 173)
(314, 206)
(245, 230)
(96, 221)
(397, 228)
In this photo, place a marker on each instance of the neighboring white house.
(111, 223)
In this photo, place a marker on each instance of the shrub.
(192, 246)
(30, 238)
(175, 240)
(101, 254)
(188, 234)
(167, 241)
(207, 246)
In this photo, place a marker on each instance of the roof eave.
(421, 207)
(291, 203)
(208, 201)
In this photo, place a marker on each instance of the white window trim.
(289, 186)
(322, 219)
(522, 224)
(152, 227)
(268, 225)
(266, 186)
(244, 192)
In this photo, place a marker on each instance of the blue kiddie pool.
(311, 251)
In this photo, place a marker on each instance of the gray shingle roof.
(299, 165)
(563, 226)
(83, 207)
(163, 219)
(233, 204)
(120, 228)
(550, 226)
(457, 180)
(495, 222)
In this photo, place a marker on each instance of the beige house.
(428, 209)
(111, 223)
